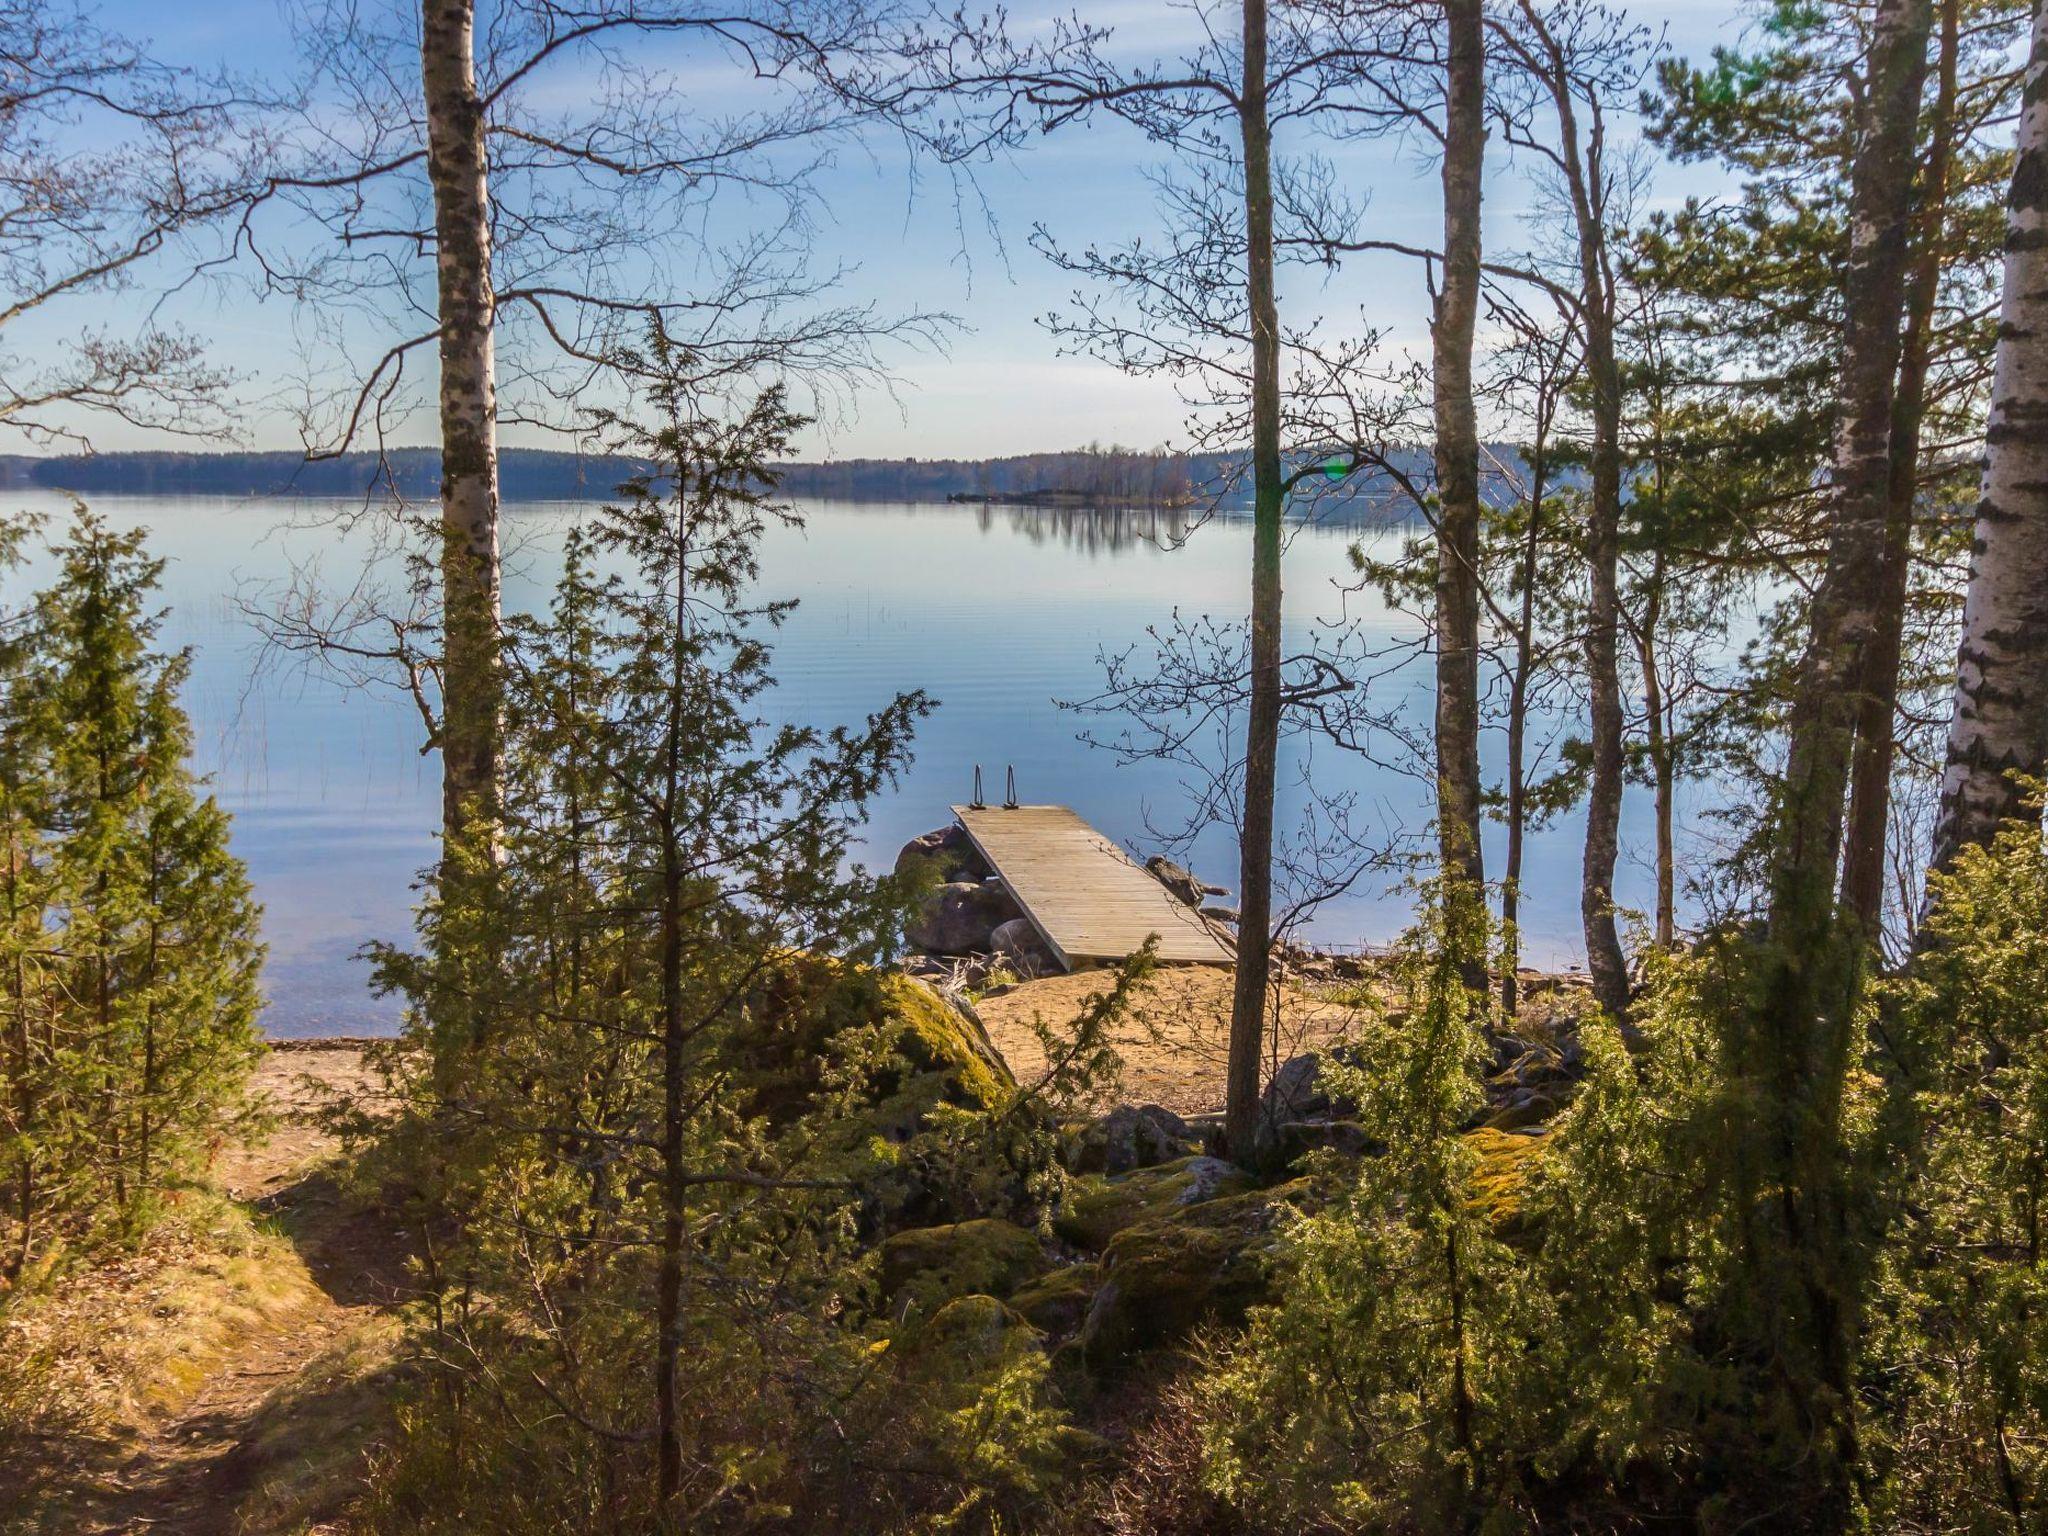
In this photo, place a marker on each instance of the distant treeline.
(1133, 477)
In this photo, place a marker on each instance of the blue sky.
(1001, 385)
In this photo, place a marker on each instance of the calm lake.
(997, 613)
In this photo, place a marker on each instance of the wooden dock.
(1085, 897)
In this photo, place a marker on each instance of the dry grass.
(301, 1462)
(102, 1359)
(231, 1362)
(1175, 1043)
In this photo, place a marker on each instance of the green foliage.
(128, 949)
(1378, 1393)
(1584, 1327)
(662, 1102)
(1958, 1379)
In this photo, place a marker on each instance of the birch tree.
(527, 244)
(1998, 732)
(458, 171)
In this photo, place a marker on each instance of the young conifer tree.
(154, 952)
(667, 855)
(26, 1043)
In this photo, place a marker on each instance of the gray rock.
(1295, 1139)
(958, 918)
(1221, 914)
(1297, 1093)
(1018, 943)
(941, 856)
(1131, 1136)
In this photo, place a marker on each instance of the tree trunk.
(2000, 723)
(1870, 773)
(1262, 728)
(668, 1303)
(1518, 731)
(1807, 1292)
(1663, 764)
(456, 167)
(1457, 485)
(20, 1072)
(1606, 965)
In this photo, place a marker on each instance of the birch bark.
(2000, 722)
(457, 170)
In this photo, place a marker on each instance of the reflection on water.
(1115, 530)
(1093, 530)
(995, 611)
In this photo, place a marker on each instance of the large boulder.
(1301, 1090)
(1130, 1136)
(939, 857)
(959, 918)
(870, 1069)
(966, 1333)
(1018, 945)
(1099, 1207)
(1057, 1302)
(927, 1266)
(1169, 1273)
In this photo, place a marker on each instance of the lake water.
(996, 613)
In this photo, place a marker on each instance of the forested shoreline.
(1112, 477)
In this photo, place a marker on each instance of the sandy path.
(186, 1474)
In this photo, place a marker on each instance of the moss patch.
(928, 1266)
(1506, 1163)
(1099, 1207)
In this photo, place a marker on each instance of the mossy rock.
(1506, 1162)
(1165, 1275)
(1099, 1207)
(870, 1060)
(1527, 1108)
(968, 1340)
(969, 1328)
(810, 1015)
(929, 1266)
(1057, 1303)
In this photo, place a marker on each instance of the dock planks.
(1082, 892)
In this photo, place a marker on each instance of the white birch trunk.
(457, 169)
(2000, 724)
